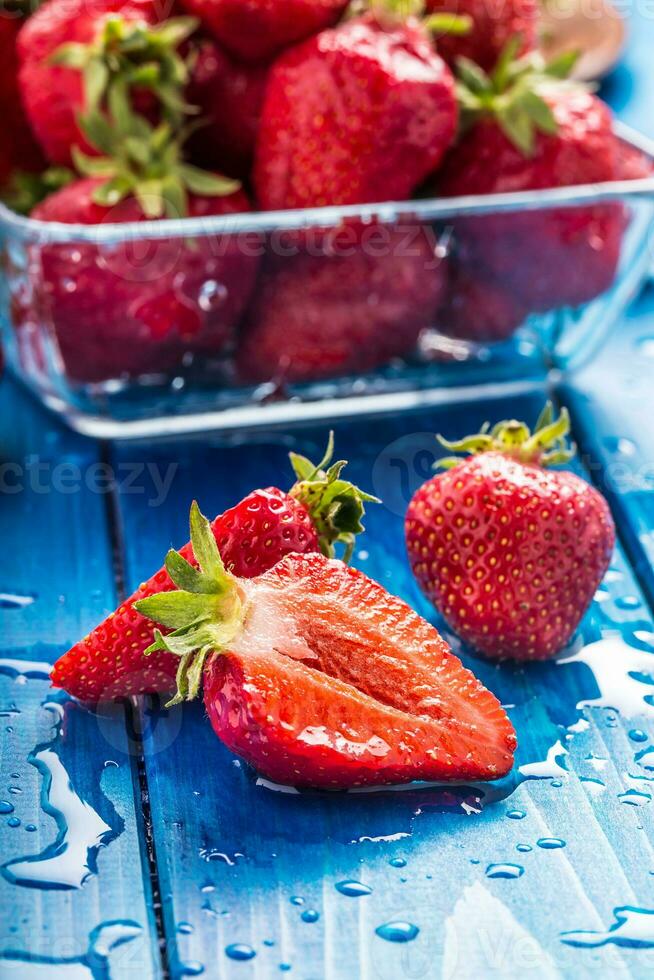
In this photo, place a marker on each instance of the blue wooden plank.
(245, 867)
(74, 892)
(613, 404)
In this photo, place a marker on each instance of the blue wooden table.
(133, 844)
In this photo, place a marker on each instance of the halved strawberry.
(319, 511)
(317, 676)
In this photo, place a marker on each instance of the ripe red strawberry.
(18, 151)
(508, 551)
(477, 306)
(117, 312)
(257, 30)
(528, 130)
(320, 313)
(229, 94)
(73, 54)
(318, 512)
(360, 113)
(318, 677)
(493, 24)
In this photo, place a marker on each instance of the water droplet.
(397, 863)
(13, 822)
(550, 843)
(516, 814)
(269, 942)
(504, 871)
(30, 828)
(15, 790)
(645, 758)
(628, 602)
(634, 797)
(284, 967)
(620, 445)
(353, 889)
(523, 848)
(297, 900)
(633, 929)
(556, 783)
(212, 295)
(185, 928)
(638, 735)
(110, 764)
(192, 968)
(239, 951)
(12, 601)
(310, 915)
(5, 807)
(397, 932)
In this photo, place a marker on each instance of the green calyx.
(336, 506)
(25, 190)
(546, 446)
(205, 613)
(133, 55)
(393, 12)
(514, 93)
(142, 161)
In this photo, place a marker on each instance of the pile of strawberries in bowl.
(121, 112)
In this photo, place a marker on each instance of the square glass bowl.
(156, 328)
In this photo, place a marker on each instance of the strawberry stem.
(546, 446)
(335, 506)
(205, 612)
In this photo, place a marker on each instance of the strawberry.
(328, 311)
(257, 30)
(477, 306)
(74, 54)
(19, 151)
(493, 24)
(117, 313)
(316, 676)
(357, 114)
(229, 94)
(527, 129)
(320, 511)
(508, 551)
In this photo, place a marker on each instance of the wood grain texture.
(239, 863)
(68, 780)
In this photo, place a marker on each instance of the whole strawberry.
(492, 25)
(316, 676)
(115, 312)
(510, 552)
(257, 30)
(357, 114)
(320, 511)
(326, 311)
(74, 54)
(527, 129)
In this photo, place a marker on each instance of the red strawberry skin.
(559, 257)
(334, 683)
(509, 553)
(19, 150)
(229, 94)
(119, 311)
(52, 94)
(493, 25)
(257, 30)
(110, 661)
(354, 115)
(477, 307)
(322, 315)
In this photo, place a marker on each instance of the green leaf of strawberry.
(336, 506)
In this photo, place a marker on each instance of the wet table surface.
(133, 844)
